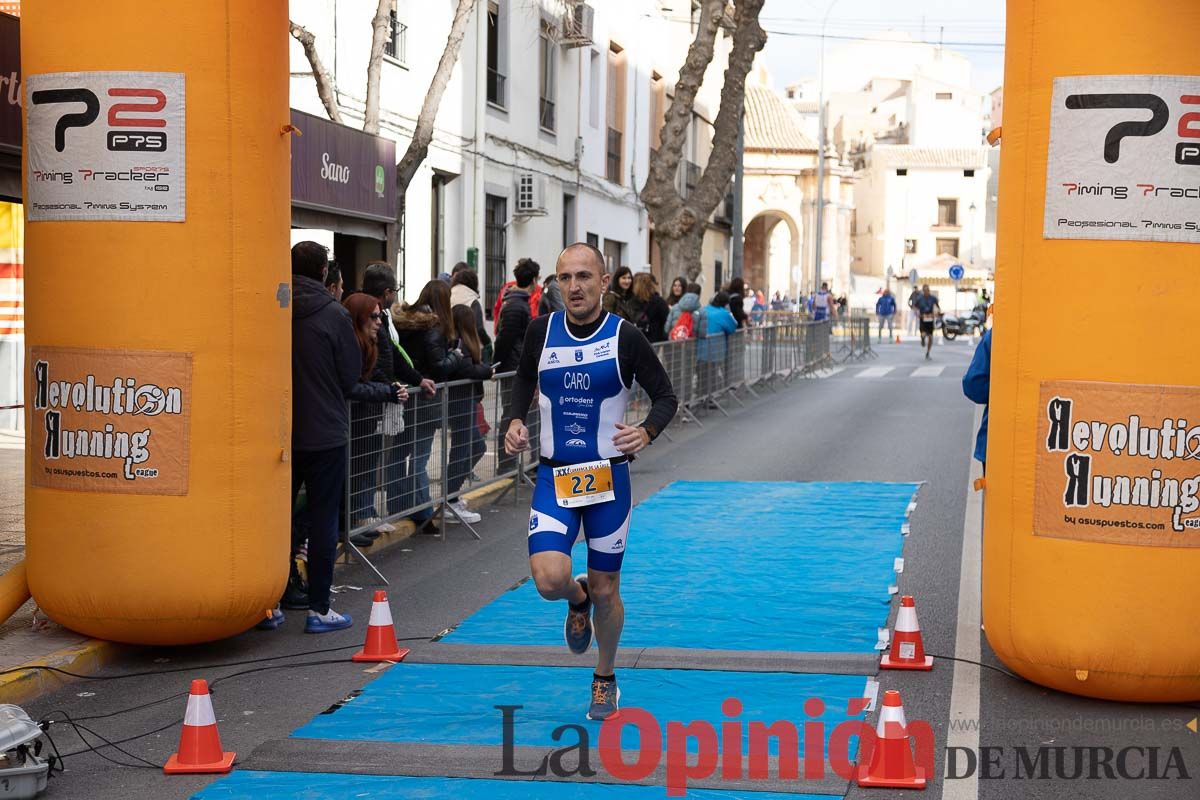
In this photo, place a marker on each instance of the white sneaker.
(464, 513)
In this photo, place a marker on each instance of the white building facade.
(436, 230)
(543, 136)
(913, 130)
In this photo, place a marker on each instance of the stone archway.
(771, 253)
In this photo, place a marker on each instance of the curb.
(406, 529)
(28, 683)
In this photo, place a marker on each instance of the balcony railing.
(395, 46)
(613, 161)
(495, 87)
(546, 114)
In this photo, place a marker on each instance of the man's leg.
(551, 571)
(608, 616)
(325, 482)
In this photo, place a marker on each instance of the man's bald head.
(583, 279)
(578, 248)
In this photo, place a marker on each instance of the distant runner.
(927, 307)
(584, 361)
(821, 303)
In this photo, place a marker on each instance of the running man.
(584, 362)
(927, 307)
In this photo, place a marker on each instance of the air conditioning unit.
(577, 26)
(531, 195)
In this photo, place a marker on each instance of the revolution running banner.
(1118, 463)
(109, 420)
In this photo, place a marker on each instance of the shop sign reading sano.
(1119, 464)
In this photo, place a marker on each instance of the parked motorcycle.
(971, 324)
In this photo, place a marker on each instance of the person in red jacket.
(535, 294)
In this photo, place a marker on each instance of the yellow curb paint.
(27, 682)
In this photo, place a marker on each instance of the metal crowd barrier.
(853, 334)
(415, 461)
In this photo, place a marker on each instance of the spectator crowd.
(368, 376)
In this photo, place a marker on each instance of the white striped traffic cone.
(381, 634)
(199, 743)
(890, 763)
(908, 650)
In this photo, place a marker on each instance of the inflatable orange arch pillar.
(1092, 529)
(157, 216)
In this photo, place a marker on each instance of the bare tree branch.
(748, 39)
(660, 193)
(418, 148)
(324, 83)
(679, 223)
(379, 32)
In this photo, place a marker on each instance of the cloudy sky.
(975, 29)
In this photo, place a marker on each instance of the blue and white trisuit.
(582, 398)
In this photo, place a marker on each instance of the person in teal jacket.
(711, 350)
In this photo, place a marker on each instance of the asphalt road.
(873, 420)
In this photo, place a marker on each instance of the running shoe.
(578, 629)
(326, 623)
(272, 622)
(606, 698)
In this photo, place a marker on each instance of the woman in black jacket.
(737, 294)
(649, 308)
(467, 445)
(620, 290)
(424, 330)
(367, 411)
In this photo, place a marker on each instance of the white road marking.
(927, 372)
(874, 372)
(964, 724)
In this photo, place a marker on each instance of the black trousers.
(322, 473)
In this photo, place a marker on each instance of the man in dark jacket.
(511, 324)
(326, 365)
(515, 316)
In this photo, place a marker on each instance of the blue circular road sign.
(956, 272)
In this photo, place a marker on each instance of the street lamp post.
(820, 226)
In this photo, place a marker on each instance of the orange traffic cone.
(890, 764)
(908, 651)
(897, 338)
(199, 744)
(381, 634)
